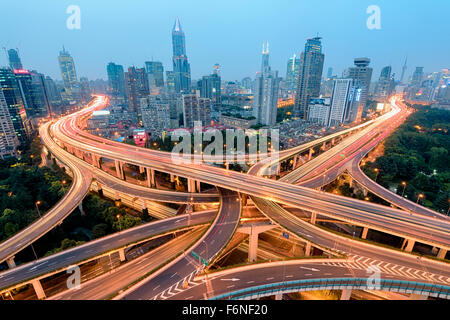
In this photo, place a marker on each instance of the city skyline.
(341, 41)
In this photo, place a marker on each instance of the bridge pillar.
(253, 230)
(294, 163)
(346, 293)
(324, 146)
(410, 245)
(310, 153)
(122, 255)
(38, 289)
(141, 169)
(279, 296)
(313, 217)
(172, 178)
(150, 177)
(227, 166)
(364, 233)
(119, 169)
(11, 263)
(308, 249)
(333, 141)
(253, 246)
(415, 296)
(442, 253)
(198, 186)
(191, 185)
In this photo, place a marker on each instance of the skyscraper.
(137, 87)
(116, 80)
(292, 72)
(155, 72)
(8, 138)
(68, 73)
(33, 92)
(181, 67)
(14, 59)
(417, 77)
(309, 76)
(14, 102)
(361, 73)
(265, 98)
(341, 101)
(170, 81)
(211, 88)
(403, 70)
(385, 84)
(330, 72)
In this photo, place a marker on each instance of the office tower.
(292, 72)
(385, 84)
(211, 88)
(265, 98)
(155, 72)
(8, 138)
(14, 59)
(85, 90)
(330, 72)
(155, 113)
(417, 77)
(116, 80)
(247, 83)
(196, 109)
(25, 88)
(341, 101)
(68, 73)
(319, 111)
(170, 81)
(33, 91)
(136, 86)
(14, 102)
(181, 67)
(54, 94)
(403, 70)
(361, 74)
(309, 76)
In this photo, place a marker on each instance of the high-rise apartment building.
(196, 109)
(342, 100)
(116, 80)
(136, 86)
(292, 72)
(8, 138)
(155, 73)
(155, 113)
(309, 76)
(210, 87)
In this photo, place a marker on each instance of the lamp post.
(420, 196)
(404, 187)
(377, 171)
(37, 203)
(120, 223)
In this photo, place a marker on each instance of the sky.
(229, 33)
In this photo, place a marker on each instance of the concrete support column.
(364, 233)
(294, 163)
(324, 146)
(227, 166)
(410, 245)
(119, 169)
(117, 196)
(313, 218)
(442, 253)
(310, 153)
(198, 186)
(141, 169)
(279, 296)
(38, 289)
(150, 177)
(308, 249)
(191, 185)
(172, 178)
(253, 246)
(11, 263)
(333, 141)
(122, 255)
(346, 293)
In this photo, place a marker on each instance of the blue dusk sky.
(229, 32)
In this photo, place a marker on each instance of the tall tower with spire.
(265, 58)
(181, 67)
(403, 70)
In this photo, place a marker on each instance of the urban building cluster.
(147, 102)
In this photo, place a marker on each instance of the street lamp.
(120, 223)
(404, 187)
(420, 196)
(377, 171)
(37, 203)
